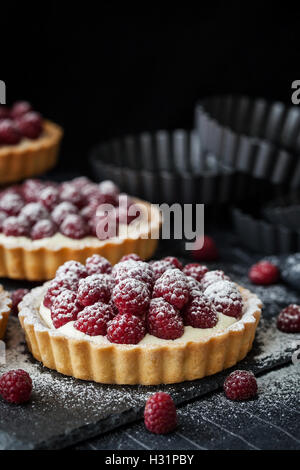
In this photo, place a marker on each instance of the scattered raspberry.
(93, 289)
(207, 252)
(96, 264)
(49, 197)
(16, 386)
(160, 413)
(9, 132)
(11, 203)
(20, 108)
(74, 226)
(135, 270)
(174, 261)
(33, 212)
(131, 256)
(160, 266)
(264, 273)
(195, 270)
(93, 320)
(173, 287)
(30, 125)
(126, 329)
(163, 320)
(131, 296)
(43, 229)
(288, 320)
(240, 385)
(200, 313)
(211, 277)
(65, 308)
(15, 227)
(62, 211)
(72, 269)
(226, 298)
(56, 286)
(16, 297)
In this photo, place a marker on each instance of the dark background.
(101, 70)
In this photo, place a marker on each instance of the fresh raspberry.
(163, 320)
(174, 261)
(20, 108)
(56, 286)
(126, 329)
(211, 277)
(96, 264)
(200, 313)
(131, 256)
(69, 193)
(206, 252)
(49, 197)
(240, 385)
(72, 269)
(61, 211)
(16, 297)
(173, 287)
(93, 289)
(9, 133)
(109, 192)
(65, 308)
(90, 191)
(88, 212)
(16, 386)
(15, 227)
(114, 308)
(134, 270)
(31, 190)
(160, 266)
(74, 226)
(131, 296)
(160, 413)
(195, 287)
(33, 212)
(195, 270)
(264, 273)
(11, 203)
(80, 182)
(226, 298)
(289, 319)
(43, 229)
(3, 217)
(30, 125)
(93, 320)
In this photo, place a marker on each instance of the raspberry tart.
(43, 224)
(29, 144)
(138, 322)
(5, 309)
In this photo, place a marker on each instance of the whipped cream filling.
(190, 333)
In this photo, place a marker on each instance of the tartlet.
(198, 352)
(5, 308)
(29, 145)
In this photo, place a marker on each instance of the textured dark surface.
(64, 411)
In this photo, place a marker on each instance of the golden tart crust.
(30, 157)
(38, 260)
(5, 308)
(138, 364)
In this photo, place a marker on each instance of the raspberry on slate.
(195, 270)
(96, 264)
(93, 320)
(131, 296)
(93, 289)
(126, 329)
(16, 297)
(174, 261)
(240, 385)
(264, 273)
(200, 313)
(16, 386)
(288, 320)
(226, 298)
(65, 308)
(173, 287)
(163, 320)
(206, 252)
(160, 413)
